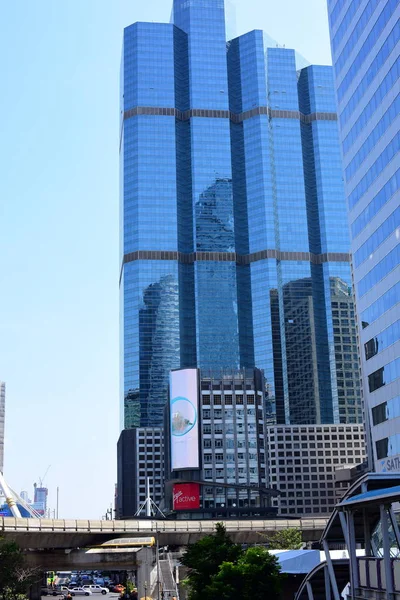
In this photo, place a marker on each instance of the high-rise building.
(40, 499)
(234, 238)
(2, 419)
(25, 497)
(366, 57)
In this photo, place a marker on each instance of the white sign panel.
(388, 465)
(184, 408)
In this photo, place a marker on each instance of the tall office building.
(234, 238)
(366, 56)
(2, 419)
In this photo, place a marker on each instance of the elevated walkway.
(365, 518)
(63, 533)
(318, 580)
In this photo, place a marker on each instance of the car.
(118, 588)
(96, 589)
(79, 591)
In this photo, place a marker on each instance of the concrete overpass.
(49, 534)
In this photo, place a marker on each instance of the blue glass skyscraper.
(235, 247)
(366, 56)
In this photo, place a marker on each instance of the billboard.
(184, 421)
(186, 496)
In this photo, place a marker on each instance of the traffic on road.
(67, 585)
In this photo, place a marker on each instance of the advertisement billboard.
(186, 496)
(184, 421)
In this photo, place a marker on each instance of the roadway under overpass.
(49, 534)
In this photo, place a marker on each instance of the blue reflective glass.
(385, 375)
(375, 240)
(381, 305)
(370, 108)
(393, 407)
(355, 32)
(381, 270)
(262, 192)
(379, 130)
(373, 207)
(368, 78)
(386, 410)
(375, 170)
(335, 14)
(366, 48)
(382, 340)
(343, 27)
(389, 446)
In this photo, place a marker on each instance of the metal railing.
(154, 526)
(372, 574)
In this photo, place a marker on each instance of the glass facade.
(234, 237)
(366, 58)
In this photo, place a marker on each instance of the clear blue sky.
(59, 229)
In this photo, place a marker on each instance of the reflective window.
(383, 196)
(375, 170)
(383, 340)
(381, 305)
(375, 240)
(384, 375)
(389, 446)
(381, 270)
(369, 43)
(386, 410)
(364, 84)
(335, 14)
(355, 32)
(373, 138)
(389, 81)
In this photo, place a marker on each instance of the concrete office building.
(234, 239)
(2, 419)
(226, 457)
(366, 57)
(140, 459)
(302, 464)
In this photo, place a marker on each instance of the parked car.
(96, 589)
(79, 591)
(53, 591)
(118, 588)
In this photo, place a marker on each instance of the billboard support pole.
(148, 504)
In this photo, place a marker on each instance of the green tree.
(204, 558)
(15, 576)
(286, 539)
(255, 576)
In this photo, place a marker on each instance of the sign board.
(184, 421)
(388, 465)
(186, 496)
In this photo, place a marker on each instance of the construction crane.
(41, 479)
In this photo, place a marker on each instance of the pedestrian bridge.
(66, 533)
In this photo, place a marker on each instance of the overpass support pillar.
(35, 589)
(145, 572)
